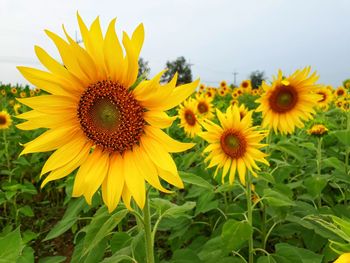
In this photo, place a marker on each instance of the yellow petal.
(132, 59)
(126, 195)
(158, 119)
(134, 179)
(241, 170)
(112, 186)
(170, 145)
(233, 171)
(173, 179)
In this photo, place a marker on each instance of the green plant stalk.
(149, 242)
(319, 160)
(250, 215)
(6, 151)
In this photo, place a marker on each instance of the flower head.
(5, 120)
(99, 121)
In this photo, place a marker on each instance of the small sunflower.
(246, 86)
(339, 103)
(233, 145)
(3, 92)
(317, 130)
(202, 87)
(223, 84)
(97, 123)
(288, 101)
(234, 102)
(326, 97)
(222, 92)
(346, 105)
(188, 118)
(205, 108)
(255, 92)
(340, 92)
(13, 90)
(5, 120)
(209, 94)
(22, 94)
(32, 93)
(37, 90)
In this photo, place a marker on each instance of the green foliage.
(181, 67)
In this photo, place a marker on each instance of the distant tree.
(144, 68)
(256, 78)
(181, 67)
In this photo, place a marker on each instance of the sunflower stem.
(6, 151)
(319, 159)
(250, 216)
(149, 242)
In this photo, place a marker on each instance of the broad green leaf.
(26, 210)
(277, 199)
(266, 259)
(118, 258)
(10, 246)
(343, 136)
(297, 255)
(69, 218)
(191, 178)
(185, 255)
(120, 240)
(94, 238)
(235, 234)
(27, 256)
(315, 184)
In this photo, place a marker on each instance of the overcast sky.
(217, 37)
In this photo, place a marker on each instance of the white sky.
(217, 36)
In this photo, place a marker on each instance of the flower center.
(233, 143)
(245, 84)
(202, 107)
(110, 116)
(190, 117)
(324, 96)
(340, 92)
(2, 120)
(283, 99)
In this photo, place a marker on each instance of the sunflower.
(317, 130)
(234, 102)
(340, 92)
(3, 92)
(209, 94)
(246, 86)
(339, 103)
(255, 92)
(13, 90)
(233, 145)
(5, 120)
(326, 97)
(288, 101)
(32, 93)
(97, 122)
(37, 90)
(222, 92)
(223, 84)
(204, 107)
(202, 87)
(23, 94)
(188, 118)
(346, 105)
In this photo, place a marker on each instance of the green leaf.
(180, 210)
(315, 184)
(343, 136)
(185, 255)
(118, 258)
(26, 210)
(27, 256)
(55, 259)
(93, 238)
(266, 259)
(191, 178)
(297, 255)
(235, 233)
(69, 218)
(277, 199)
(119, 241)
(11, 246)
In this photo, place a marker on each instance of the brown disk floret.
(190, 117)
(202, 107)
(283, 99)
(110, 116)
(233, 143)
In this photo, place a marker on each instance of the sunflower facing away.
(234, 145)
(5, 120)
(188, 118)
(96, 122)
(288, 101)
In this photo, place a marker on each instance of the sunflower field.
(100, 165)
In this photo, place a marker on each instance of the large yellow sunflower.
(98, 121)
(234, 145)
(204, 106)
(288, 101)
(5, 120)
(188, 118)
(326, 97)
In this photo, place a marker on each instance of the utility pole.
(235, 73)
